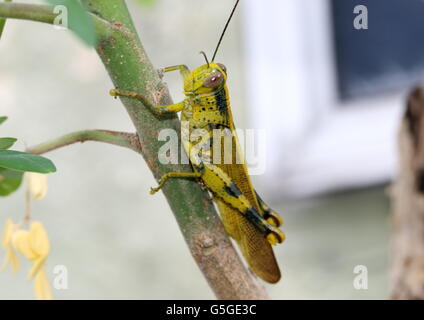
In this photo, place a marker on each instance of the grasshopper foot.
(275, 236)
(154, 190)
(114, 93)
(274, 219)
(161, 183)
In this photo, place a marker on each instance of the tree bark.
(408, 204)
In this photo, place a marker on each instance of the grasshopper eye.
(223, 68)
(214, 80)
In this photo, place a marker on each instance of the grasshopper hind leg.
(273, 234)
(223, 187)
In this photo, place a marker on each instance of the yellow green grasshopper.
(246, 218)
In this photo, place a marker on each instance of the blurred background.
(329, 97)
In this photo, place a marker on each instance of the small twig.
(3, 21)
(123, 139)
(27, 216)
(23, 11)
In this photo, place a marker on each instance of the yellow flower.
(34, 245)
(37, 184)
(41, 286)
(6, 243)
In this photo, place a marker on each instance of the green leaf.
(6, 143)
(78, 20)
(2, 119)
(23, 161)
(10, 180)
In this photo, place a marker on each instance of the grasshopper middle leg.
(186, 175)
(159, 110)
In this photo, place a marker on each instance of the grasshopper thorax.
(210, 77)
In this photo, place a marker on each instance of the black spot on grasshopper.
(254, 216)
(233, 190)
(221, 100)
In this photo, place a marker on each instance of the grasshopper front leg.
(184, 70)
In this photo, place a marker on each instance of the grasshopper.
(246, 218)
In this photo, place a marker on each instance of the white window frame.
(315, 143)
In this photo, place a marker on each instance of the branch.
(45, 14)
(23, 11)
(122, 139)
(131, 70)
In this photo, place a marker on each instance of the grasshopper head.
(207, 78)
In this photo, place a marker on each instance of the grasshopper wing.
(253, 244)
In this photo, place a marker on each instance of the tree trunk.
(408, 204)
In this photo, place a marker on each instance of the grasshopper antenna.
(206, 58)
(225, 29)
